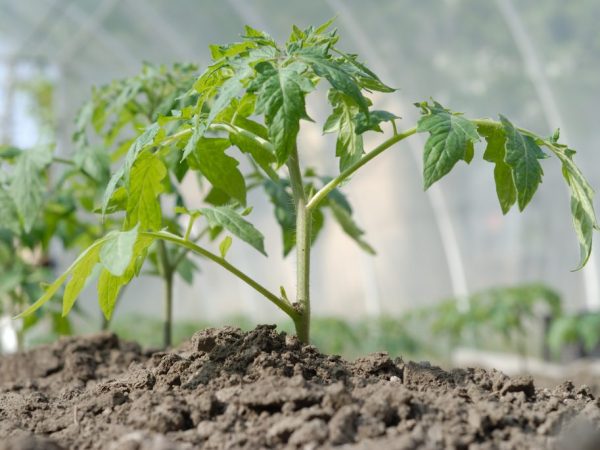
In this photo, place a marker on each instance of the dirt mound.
(262, 389)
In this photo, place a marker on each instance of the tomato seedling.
(252, 98)
(106, 126)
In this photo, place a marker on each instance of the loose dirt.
(226, 389)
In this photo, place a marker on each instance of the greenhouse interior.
(391, 186)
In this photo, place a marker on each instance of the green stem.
(325, 190)
(168, 309)
(166, 271)
(279, 302)
(303, 225)
(60, 160)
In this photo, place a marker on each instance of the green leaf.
(109, 287)
(495, 153)
(143, 205)
(259, 153)
(365, 77)
(79, 278)
(335, 72)
(232, 221)
(280, 96)
(144, 140)
(109, 284)
(54, 287)
(9, 152)
(219, 169)
(27, 187)
(372, 121)
(449, 138)
(9, 217)
(94, 161)
(285, 214)
(117, 252)
(523, 155)
(349, 143)
(224, 246)
(344, 218)
(186, 269)
(198, 129)
(141, 142)
(582, 202)
(229, 90)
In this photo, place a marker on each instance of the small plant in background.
(31, 216)
(253, 99)
(579, 329)
(35, 209)
(501, 312)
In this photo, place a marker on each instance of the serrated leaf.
(229, 90)
(262, 156)
(220, 169)
(335, 72)
(582, 203)
(27, 187)
(198, 129)
(349, 143)
(344, 218)
(365, 76)
(372, 121)
(449, 137)
(280, 97)
(141, 142)
(143, 205)
(232, 221)
(523, 155)
(9, 217)
(495, 153)
(117, 251)
(225, 245)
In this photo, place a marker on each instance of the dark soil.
(226, 389)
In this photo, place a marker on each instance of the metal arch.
(92, 25)
(180, 46)
(55, 9)
(435, 195)
(553, 117)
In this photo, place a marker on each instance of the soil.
(227, 389)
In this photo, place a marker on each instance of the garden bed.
(262, 389)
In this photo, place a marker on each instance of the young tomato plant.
(106, 126)
(252, 98)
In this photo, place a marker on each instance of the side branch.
(325, 190)
(280, 303)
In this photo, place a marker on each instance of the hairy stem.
(168, 308)
(303, 225)
(279, 302)
(325, 190)
(166, 272)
